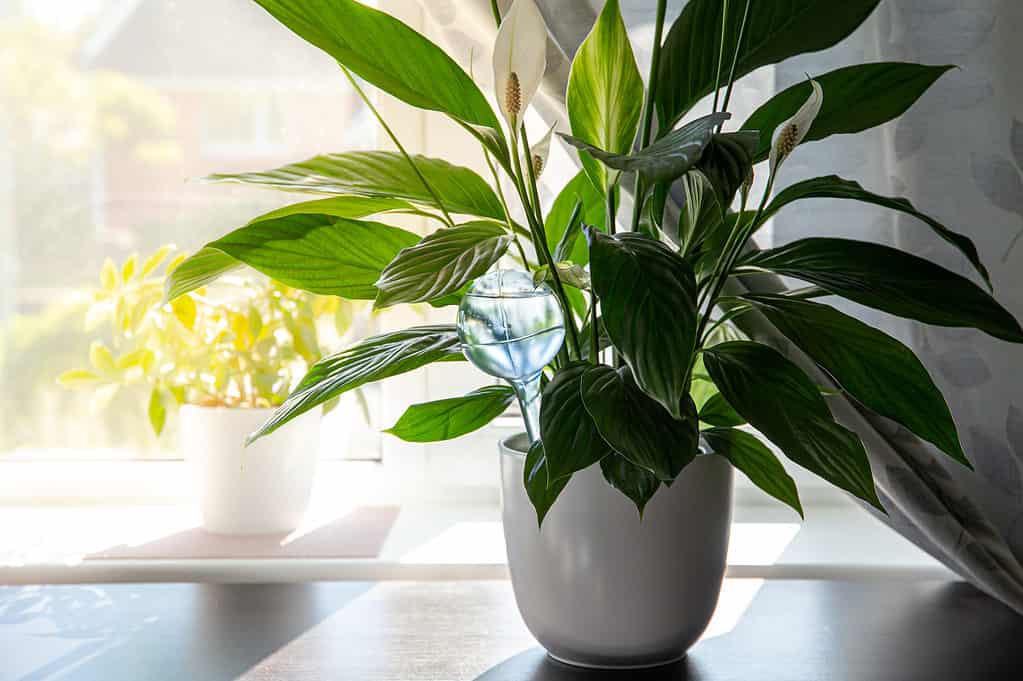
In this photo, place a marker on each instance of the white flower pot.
(599, 588)
(260, 489)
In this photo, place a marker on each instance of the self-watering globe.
(511, 328)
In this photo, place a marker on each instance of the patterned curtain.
(959, 154)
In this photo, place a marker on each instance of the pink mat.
(359, 534)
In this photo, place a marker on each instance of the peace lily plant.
(652, 373)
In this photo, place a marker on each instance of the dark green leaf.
(605, 91)
(855, 98)
(891, 280)
(454, 417)
(603, 340)
(873, 367)
(727, 162)
(570, 437)
(756, 461)
(578, 190)
(717, 412)
(701, 212)
(570, 237)
(536, 477)
(778, 399)
(372, 359)
(834, 187)
(636, 426)
(667, 159)
(381, 174)
(637, 483)
(775, 31)
(648, 300)
(387, 53)
(442, 263)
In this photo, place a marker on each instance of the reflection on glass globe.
(511, 329)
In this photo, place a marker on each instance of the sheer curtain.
(959, 153)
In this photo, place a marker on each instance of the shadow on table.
(841, 631)
(159, 631)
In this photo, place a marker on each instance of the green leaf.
(318, 253)
(665, 160)
(756, 461)
(775, 31)
(778, 399)
(453, 417)
(204, 267)
(387, 53)
(381, 174)
(157, 411)
(834, 187)
(605, 92)
(636, 426)
(637, 483)
(535, 477)
(578, 190)
(876, 369)
(209, 264)
(570, 236)
(856, 98)
(701, 212)
(373, 359)
(717, 412)
(570, 437)
(648, 300)
(727, 162)
(78, 378)
(570, 274)
(442, 263)
(891, 280)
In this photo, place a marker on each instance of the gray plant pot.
(599, 588)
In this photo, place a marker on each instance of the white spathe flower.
(520, 58)
(539, 152)
(791, 133)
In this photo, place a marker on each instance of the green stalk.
(648, 110)
(497, 12)
(504, 206)
(594, 331)
(721, 53)
(397, 143)
(735, 56)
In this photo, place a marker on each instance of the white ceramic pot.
(260, 489)
(599, 588)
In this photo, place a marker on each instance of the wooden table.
(419, 631)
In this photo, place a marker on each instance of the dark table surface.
(419, 631)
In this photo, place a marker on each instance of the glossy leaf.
(380, 174)
(570, 236)
(775, 31)
(778, 399)
(570, 274)
(442, 263)
(387, 53)
(874, 368)
(605, 92)
(637, 483)
(756, 461)
(373, 359)
(646, 291)
(891, 280)
(447, 419)
(717, 412)
(856, 98)
(210, 263)
(727, 162)
(701, 211)
(834, 187)
(636, 426)
(578, 190)
(535, 477)
(318, 253)
(571, 439)
(665, 160)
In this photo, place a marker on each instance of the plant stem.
(397, 143)
(721, 53)
(594, 331)
(648, 110)
(612, 211)
(497, 12)
(735, 57)
(504, 205)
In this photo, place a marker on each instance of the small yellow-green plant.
(242, 344)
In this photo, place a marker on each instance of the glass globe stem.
(528, 392)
